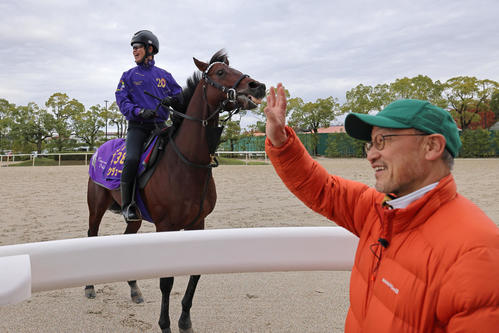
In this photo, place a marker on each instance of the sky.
(316, 49)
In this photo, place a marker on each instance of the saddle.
(107, 162)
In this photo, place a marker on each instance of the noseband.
(230, 92)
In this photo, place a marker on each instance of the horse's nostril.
(260, 87)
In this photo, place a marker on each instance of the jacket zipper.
(373, 276)
(384, 221)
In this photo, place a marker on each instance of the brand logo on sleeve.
(390, 285)
(121, 86)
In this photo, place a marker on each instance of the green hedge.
(476, 143)
(479, 143)
(343, 145)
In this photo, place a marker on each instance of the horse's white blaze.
(77, 262)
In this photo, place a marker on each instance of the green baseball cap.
(407, 113)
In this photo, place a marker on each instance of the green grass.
(235, 161)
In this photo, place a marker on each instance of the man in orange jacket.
(428, 258)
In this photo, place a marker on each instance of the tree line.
(473, 103)
(61, 125)
(65, 123)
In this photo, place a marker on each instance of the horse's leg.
(135, 293)
(184, 323)
(98, 199)
(165, 284)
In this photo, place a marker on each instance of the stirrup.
(130, 213)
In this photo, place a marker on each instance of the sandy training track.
(47, 203)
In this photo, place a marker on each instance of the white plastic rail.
(33, 267)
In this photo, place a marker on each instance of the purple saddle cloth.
(106, 167)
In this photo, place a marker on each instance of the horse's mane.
(192, 82)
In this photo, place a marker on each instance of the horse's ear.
(201, 65)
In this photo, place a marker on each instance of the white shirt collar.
(406, 200)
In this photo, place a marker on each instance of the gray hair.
(448, 159)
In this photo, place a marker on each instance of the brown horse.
(181, 191)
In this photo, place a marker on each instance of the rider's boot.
(128, 206)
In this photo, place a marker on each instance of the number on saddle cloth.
(107, 162)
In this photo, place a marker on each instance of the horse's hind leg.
(98, 199)
(135, 292)
(184, 323)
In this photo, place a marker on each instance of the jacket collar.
(149, 64)
(406, 200)
(398, 220)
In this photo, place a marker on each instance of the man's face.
(400, 166)
(139, 51)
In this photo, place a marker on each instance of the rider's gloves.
(147, 113)
(175, 102)
(168, 101)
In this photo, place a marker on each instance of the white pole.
(80, 261)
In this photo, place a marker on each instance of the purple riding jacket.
(130, 95)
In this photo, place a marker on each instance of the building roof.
(332, 129)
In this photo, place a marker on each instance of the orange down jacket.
(440, 269)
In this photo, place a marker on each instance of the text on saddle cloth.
(107, 163)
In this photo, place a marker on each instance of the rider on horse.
(141, 110)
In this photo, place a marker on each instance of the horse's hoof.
(166, 330)
(189, 330)
(90, 292)
(137, 298)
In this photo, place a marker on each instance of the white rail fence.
(248, 155)
(6, 160)
(34, 267)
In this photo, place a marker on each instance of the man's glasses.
(137, 46)
(379, 140)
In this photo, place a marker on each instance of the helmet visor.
(137, 45)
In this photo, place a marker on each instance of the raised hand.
(276, 116)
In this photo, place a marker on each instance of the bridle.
(231, 92)
(213, 134)
(231, 97)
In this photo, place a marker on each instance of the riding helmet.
(147, 38)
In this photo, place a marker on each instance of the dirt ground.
(48, 203)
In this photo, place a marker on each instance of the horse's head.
(232, 87)
(216, 89)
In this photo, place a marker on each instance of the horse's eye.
(220, 72)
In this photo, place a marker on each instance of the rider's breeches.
(135, 138)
